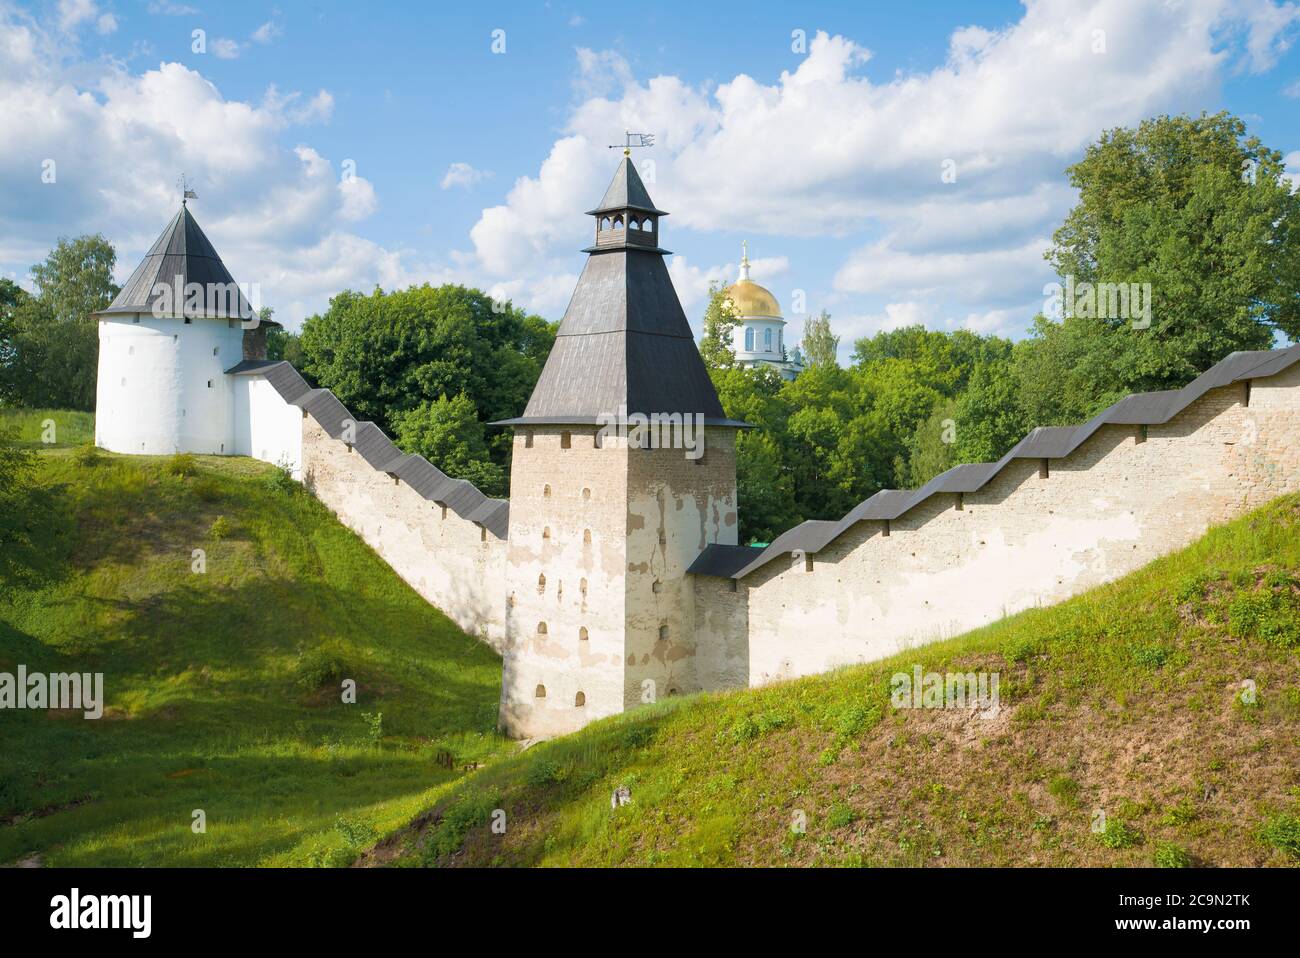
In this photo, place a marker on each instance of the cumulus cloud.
(956, 172)
(462, 174)
(115, 140)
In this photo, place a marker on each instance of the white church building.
(759, 339)
(179, 352)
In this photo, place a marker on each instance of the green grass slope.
(222, 687)
(1128, 700)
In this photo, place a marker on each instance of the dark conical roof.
(624, 341)
(626, 191)
(181, 255)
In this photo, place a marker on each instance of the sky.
(891, 163)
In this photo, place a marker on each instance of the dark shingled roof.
(624, 341)
(182, 255)
(626, 191)
(1054, 442)
(378, 450)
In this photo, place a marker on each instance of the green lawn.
(1128, 700)
(222, 687)
(48, 428)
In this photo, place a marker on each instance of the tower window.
(136, 318)
(482, 534)
(749, 339)
(209, 383)
(444, 513)
(656, 586)
(541, 586)
(541, 628)
(618, 222)
(546, 532)
(582, 634)
(188, 320)
(586, 493)
(540, 692)
(767, 340)
(663, 633)
(528, 440)
(579, 700)
(634, 224)
(648, 224)
(566, 440)
(1044, 471)
(582, 586)
(586, 537)
(546, 491)
(604, 222)
(216, 350)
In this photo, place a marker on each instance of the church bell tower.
(623, 471)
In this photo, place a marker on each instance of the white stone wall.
(453, 563)
(266, 427)
(162, 387)
(1024, 539)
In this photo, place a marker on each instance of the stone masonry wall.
(1025, 539)
(453, 563)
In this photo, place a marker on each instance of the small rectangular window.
(209, 383)
(528, 440)
(566, 440)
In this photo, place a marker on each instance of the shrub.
(357, 832)
(1273, 616)
(1283, 833)
(1119, 834)
(1150, 656)
(544, 773)
(321, 666)
(751, 726)
(220, 529)
(281, 482)
(87, 455)
(1065, 790)
(449, 834)
(839, 815)
(1169, 855)
(181, 465)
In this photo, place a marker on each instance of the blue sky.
(474, 166)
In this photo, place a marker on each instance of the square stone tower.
(623, 471)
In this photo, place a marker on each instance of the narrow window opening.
(540, 692)
(209, 383)
(444, 513)
(579, 700)
(582, 634)
(1044, 470)
(961, 502)
(541, 628)
(656, 586)
(582, 586)
(546, 532)
(732, 585)
(885, 530)
(663, 633)
(586, 537)
(216, 350)
(546, 491)
(807, 563)
(482, 534)
(566, 440)
(541, 584)
(1140, 434)
(528, 440)
(188, 320)
(586, 493)
(1245, 398)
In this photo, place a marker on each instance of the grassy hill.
(222, 687)
(1128, 699)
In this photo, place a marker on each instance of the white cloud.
(825, 149)
(225, 48)
(106, 24)
(278, 215)
(267, 32)
(1292, 161)
(161, 8)
(72, 13)
(462, 174)
(1292, 90)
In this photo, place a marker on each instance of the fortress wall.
(453, 563)
(1023, 540)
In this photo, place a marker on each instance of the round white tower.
(164, 345)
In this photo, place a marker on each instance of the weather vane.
(631, 140)
(184, 186)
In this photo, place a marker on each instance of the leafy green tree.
(988, 419)
(931, 450)
(385, 354)
(1203, 214)
(449, 434)
(819, 343)
(720, 322)
(52, 349)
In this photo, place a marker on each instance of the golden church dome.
(748, 297)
